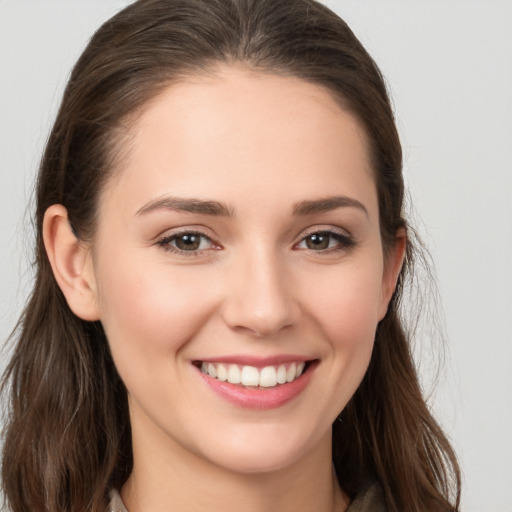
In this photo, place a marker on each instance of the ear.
(71, 263)
(392, 266)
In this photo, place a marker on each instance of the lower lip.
(261, 398)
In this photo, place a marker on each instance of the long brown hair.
(67, 437)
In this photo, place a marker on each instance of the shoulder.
(369, 499)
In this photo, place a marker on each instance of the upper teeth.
(266, 377)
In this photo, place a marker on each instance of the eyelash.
(166, 242)
(344, 242)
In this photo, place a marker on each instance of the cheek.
(347, 313)
(346, 303)
(149, 309)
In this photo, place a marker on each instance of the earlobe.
(392, 267)
(71, 263)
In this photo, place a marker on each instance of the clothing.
(116, 505)
(370, 499)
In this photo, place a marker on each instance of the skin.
(260, 145)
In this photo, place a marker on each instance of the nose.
(259, 296)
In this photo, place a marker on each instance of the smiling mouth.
(252, 377)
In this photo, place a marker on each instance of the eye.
(187, 242)
(326, 241)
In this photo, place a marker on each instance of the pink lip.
(262, 398)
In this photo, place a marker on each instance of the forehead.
(238, 130)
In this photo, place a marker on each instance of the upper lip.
(257, 361)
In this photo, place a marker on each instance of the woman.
(221, 252)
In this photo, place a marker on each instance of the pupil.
(317, 242)
(188, 242)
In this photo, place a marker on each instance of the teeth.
(267, 377)
(291, 374)
(222, 373)
(212, 371)
(281, 374)
(250, 376)
(234, 374)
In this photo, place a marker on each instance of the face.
(240, 242)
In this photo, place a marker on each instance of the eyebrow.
(327, 204)
(190, 205)
(193, 205)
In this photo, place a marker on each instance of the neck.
(185, 482)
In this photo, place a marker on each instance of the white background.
(449, 67)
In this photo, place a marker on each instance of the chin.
(256, 463)
(263, 452)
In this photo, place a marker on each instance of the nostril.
(260, 324)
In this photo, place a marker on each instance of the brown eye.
(318, 241)
(326, 241)
(188, 242)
